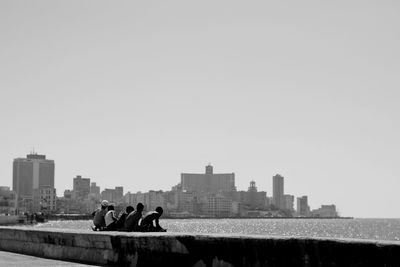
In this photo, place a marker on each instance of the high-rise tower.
(31, 173)
(81, 187)
(278, 191)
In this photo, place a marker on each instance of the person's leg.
(112, 227)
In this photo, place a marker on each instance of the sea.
(375, 229)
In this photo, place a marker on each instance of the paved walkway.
(8, 259)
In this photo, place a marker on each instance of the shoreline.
(89, 217)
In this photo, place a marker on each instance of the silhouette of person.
(132, 220)
(98, 216)
(122, 217)
(110, 219)
(147, 223)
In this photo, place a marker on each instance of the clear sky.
(133, 93)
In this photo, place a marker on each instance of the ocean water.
(377, 229)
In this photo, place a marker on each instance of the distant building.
(269, 201)
(217, 206)
(95, 190)
(302, 206)
(278, 191)
(68, 194)
(81, 187)
(108, 194)
(208, 182)
(113, 195)
(185, 201)
(7, 200)
(288, 202)
(255, 199)
(251, 199)
(151, 200)
(44, 199)
(119, 193)
(154, 199)
(30, 173)
(325, 211)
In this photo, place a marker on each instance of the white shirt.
(109, 217)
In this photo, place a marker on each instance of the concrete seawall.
(176, 249)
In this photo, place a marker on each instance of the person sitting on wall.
(98, 216)
(147, 223)
(122, 217)
(132, 220)
(110, 219)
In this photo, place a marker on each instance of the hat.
(104, 203)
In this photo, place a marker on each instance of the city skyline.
(138, 93)
(33, 170)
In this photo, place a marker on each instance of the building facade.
(209, 182)
(217, 206)
(30, 173)
(7, 200)
(45, 199)
(289, 202)
(95, 190)
(325, 211)
(81, 187)
(278, 191)
(185, 201)
(303, 209)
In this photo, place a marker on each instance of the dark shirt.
(147, 221)
(98, 219)
(132, 221)
(121, 220)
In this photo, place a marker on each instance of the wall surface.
(10, 219)
(176, 249)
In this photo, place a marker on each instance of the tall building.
(108, 194)
(288, 202)
(302, 206)
(253, 198)
(81, 187)
(31, 173)
(95, 190)
(278, 191)
(119, 193)
(209, 182)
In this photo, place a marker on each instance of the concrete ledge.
(176, 249)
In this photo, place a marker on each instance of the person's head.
(110, 207)
(104, 204)
(129, 209)
(139, 207)
(159, 210)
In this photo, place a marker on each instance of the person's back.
(122, 217)
(98, 216)
(132, 220)
(110, 219)
(147, 224)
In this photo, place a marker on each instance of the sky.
(134, 93)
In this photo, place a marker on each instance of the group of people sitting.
(131, 220)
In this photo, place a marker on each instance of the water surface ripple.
(378, 229)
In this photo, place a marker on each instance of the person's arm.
(158, 226)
